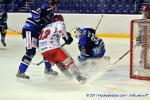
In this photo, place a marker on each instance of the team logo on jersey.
(43, 43)
(42, 49)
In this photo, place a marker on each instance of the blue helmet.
(54, 1)
(35, 16)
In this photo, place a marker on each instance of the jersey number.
(92, 37)
(44, 34)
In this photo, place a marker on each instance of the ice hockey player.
(89, 45)
(145, 15)
(3, 25)
(40, 18)
(139, 39)
(30, 35)
(51, 49)
(46, 12)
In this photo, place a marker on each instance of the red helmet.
(146, 8)
(58, 18)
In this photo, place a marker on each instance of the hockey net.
(140, 55)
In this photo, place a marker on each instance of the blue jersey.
(88, 41)
(30, 26)
(46, 14)
(3, 18)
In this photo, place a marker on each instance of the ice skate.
(3, 42)
(22, 75)
(68, 74)
(107, 57)
(51, 72)
(81, 79)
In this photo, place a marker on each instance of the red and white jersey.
(50, 36)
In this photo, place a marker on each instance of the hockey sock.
(47, 65)
(74, 69)
(22, 68)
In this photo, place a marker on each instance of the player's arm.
(82, 45)
(66, 35)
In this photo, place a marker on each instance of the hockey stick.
(123, 56)
(43, 60)
(13, 30)
(99, 22)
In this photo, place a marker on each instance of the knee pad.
(28, 56)
(82, 58)
(98, 52)
(31, 52)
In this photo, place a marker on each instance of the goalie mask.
(77, 32)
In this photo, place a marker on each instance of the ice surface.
(106, 79)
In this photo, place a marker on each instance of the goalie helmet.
(77, 32)
(58, 18)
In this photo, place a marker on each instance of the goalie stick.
(123, 55)
(43, 60)
(99, 23)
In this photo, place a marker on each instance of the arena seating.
(82, 6)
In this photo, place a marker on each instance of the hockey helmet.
(35, 16)
(77, 32)
(58, 18)
(54, 1)
(146, 8)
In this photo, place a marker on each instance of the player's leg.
(25, 62)
(98, 52)
(48, 69)
(65, 71)
(3, 35)
(142, 55)
(31, 44)
(64, 58)
(64, 62)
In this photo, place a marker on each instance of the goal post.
(140, 55)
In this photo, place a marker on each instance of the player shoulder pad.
(44, 6)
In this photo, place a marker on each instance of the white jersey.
(50, 36)
(141, 25)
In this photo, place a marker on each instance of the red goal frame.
(132, 75)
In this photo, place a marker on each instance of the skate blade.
(83, 82)
(18, 78)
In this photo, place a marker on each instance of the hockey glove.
(139, 40)
(69, 40)
(83, 51)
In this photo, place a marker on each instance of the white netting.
(140, 55)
